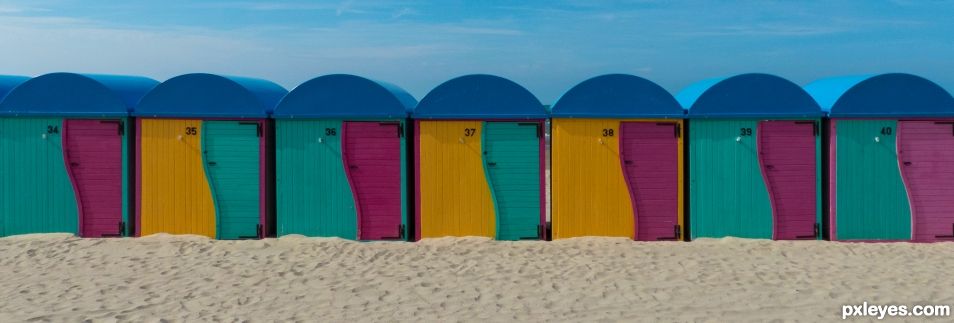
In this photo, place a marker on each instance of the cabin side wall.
(36, 194)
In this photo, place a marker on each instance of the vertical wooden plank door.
(787, 156)
(94, 161)
(372, 157)
(233, 166)
(512, 162)
(926, 153)
(650, 153)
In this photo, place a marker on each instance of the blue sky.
(548, 46)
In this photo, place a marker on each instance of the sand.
(182, 278)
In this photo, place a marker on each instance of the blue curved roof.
(345, 96)
(617, 96)
(479, 96)
(751, 95)
(8, 82)
(76, 95)
(884, 95)
(211, 96)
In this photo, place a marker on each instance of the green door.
(36, 195)
(727, 194)
(871, 201)
(512, 161)
(313, 194)
(231, 152)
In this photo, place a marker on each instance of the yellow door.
(590, 195)
(175, 191)
(455, 197)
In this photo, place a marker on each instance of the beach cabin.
(480, 160)
(341, 166)
(65, 162)
(754, 158)
(616, 160)
(891, 157)
(203, 157)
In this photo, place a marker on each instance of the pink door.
(94, 162)
(650, 153)
(926, 153)
(787, 157)
(372, 158)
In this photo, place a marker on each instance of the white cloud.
(404, 12)
(346, 6)
(458, 29)
(763, 30)
(265, 6)
(6, 9)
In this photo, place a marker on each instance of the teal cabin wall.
(728, 196)
(313, 195)
(871, 202)
(36, 195)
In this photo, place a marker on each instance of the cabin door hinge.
(400, 127)
(535, 124)
(676, 234)
(400, 235)
(948, 122)
(120, 126)
(120, 233)
(258, 127)
(816, 129)
(947, 237)
(542, 233)
(815, 232)
(258, 233)
(676, 128)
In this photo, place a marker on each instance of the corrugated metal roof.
(617, 96)
(345, 96)
(76, 95)
(883, 95)
(751, 95)
(211, 96)
(479, 96)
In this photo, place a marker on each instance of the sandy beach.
(162, 278)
